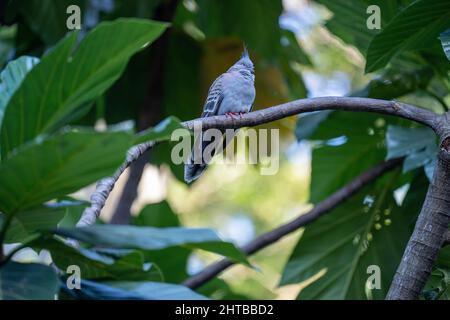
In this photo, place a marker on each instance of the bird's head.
(245, 59)
(244, 62)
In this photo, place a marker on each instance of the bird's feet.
(232, 114)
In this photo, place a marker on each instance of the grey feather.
(233, 91)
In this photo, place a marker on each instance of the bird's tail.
(196, 164)
(194, 169)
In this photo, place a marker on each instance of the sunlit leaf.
(11, 78)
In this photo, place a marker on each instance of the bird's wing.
(214, 99)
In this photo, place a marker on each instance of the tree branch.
(259, 117)
(428, 235)
(104, 186)
(266, 115)
(320, 209)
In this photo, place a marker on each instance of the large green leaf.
(416, 27)
(60, 165)
(27, 282)
(34, 219)
(369, 229)
(149, 238)
(64, 84)
(129, 290)
(11, 78)
(172, 261)
(128, 265)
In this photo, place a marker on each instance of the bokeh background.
(300, 49)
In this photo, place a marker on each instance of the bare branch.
(320, 209)
(104, 186)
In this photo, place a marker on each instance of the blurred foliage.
(125, 64)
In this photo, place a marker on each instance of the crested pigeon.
(232, 93)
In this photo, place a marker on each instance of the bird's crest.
(245, 53)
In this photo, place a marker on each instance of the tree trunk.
(428, 236)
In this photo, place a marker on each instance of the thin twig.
(274, 235)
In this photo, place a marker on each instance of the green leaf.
(63, 85)
(148, 238)
(416, 27)
(60, 165)
(100, 265)
(438, 285)
(173, 261)
(90, 290)
(162, 131)
(29, 281)
(368, 229)
(418, 145)
(356, 145)
(445, 41)
(32, 220)
(128, 290)
(158, 291)
(11, 78)
(349, 20)
(394, 83)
